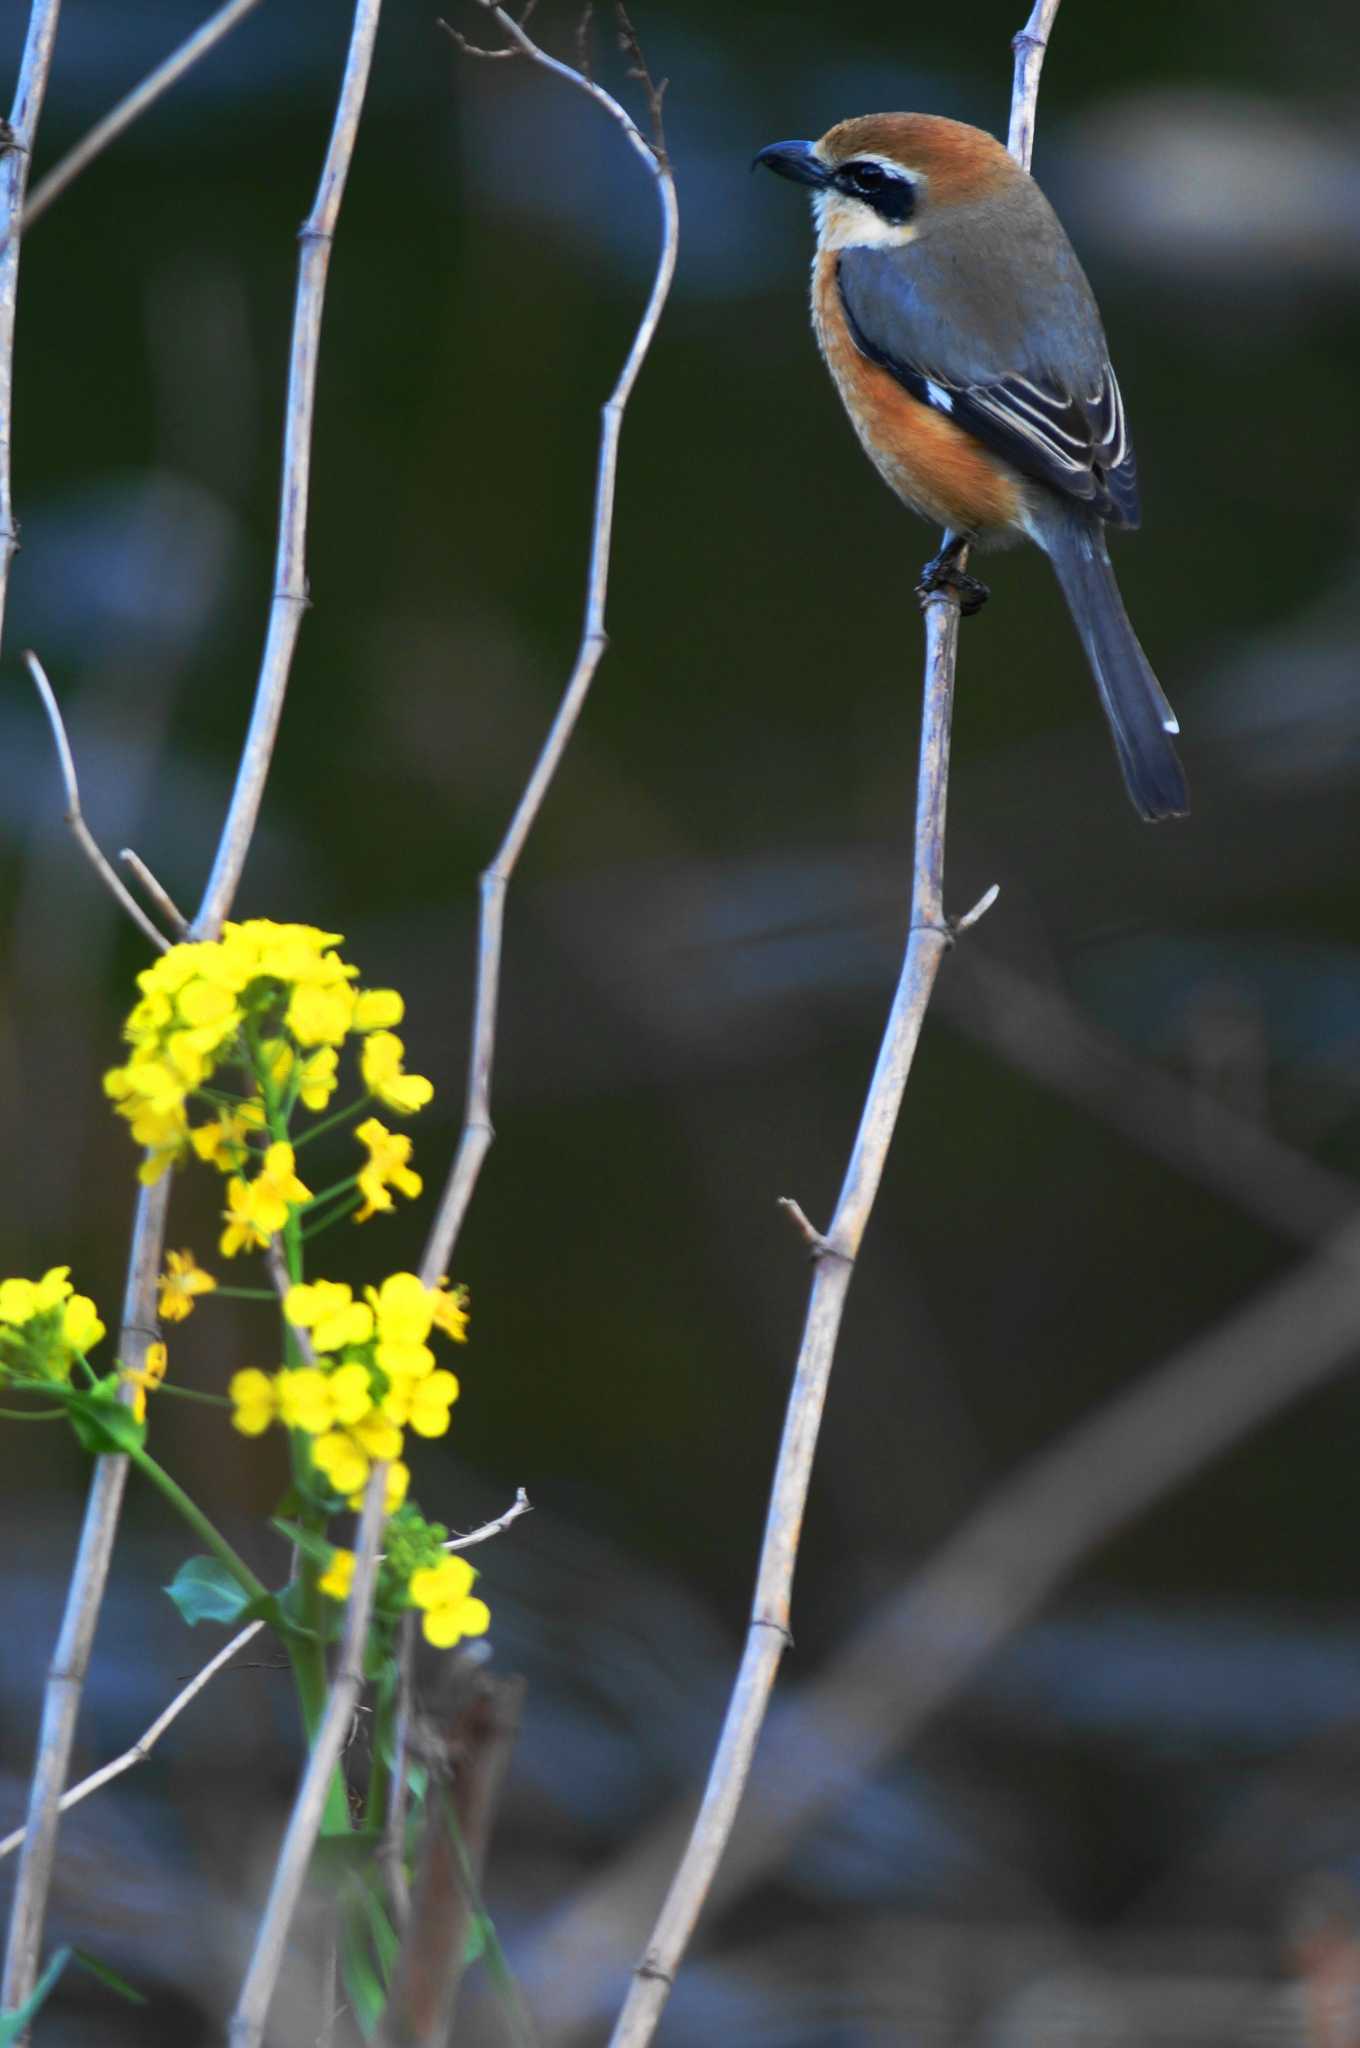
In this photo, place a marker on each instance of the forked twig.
(129, 109)
(75, 817)
(475, 1140)
(146, 1742)
(70, 1659)
(834, 1253)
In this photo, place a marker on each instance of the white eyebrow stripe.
(938, 396)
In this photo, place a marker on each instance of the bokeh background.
(1135, 1113)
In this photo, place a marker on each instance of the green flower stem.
(330, 1194)
(335, 1215)
(33, 1414)
(245, 1293)
(333, 1121)
(199, 1523)
(192, 1394)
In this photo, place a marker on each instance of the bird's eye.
(868, 180)
(891, 194)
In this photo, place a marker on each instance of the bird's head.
(878, 180)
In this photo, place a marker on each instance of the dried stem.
(16, 154)
(521, 1505)
(290, 572)
(160, 896)
(66, 1675)
(143, 1746)
(835, 1252)
(477, 1132)
(247, 2024)
(1030, 47)
(120, 118)
(75, 817)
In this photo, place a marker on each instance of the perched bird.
(965, 342)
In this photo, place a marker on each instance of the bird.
(965, 342)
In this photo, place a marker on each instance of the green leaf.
(12, 2024)
(109, 1977)
(361, 1980)
(102, 1423)
(204, 1590)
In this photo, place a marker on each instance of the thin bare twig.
(120, 118)
(160, 896)
(290, 599)
(145, 1743)
(521, 1505)
(247, 2023)
(1030, 47)
(16, 156)
(834, 1253)
(75, 817)
(70, 1660)
(475, 1140)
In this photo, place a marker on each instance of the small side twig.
(159, 895)
(477, 1133)
(929, 937)
(75, 817)
(129, 109)
(145, 1743)
(520, 1505)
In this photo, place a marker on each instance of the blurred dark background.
(1139, 1822)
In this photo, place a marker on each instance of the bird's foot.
(943, 573)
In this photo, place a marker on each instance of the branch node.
(819, 1246)
(780, 1628)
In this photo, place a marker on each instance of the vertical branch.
(16, 154)
(834, 1255)
(477, 1133)
(290, 569)
(66, 1673)
(247, 2023)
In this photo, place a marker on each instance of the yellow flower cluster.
(45, 1325)
(417, 1571)
(277, 994)
(372, 1375)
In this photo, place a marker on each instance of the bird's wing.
(986, 358)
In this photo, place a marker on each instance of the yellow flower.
(147, 1380)
(404, 1312)
(328, 1309)
(222, 1143)
(255, 1401)
(304, 1400)
(431, 1400)
(384, 1075)
(444, 1592)
(242, 1233)
(350, 1392)
(276, 1189)
(387, 1168)
(81, 1326)
(319, 1077)
(181, 1281)
(257, 1209)
(318, 1014)
(338, 1576)
(377, 1009)
(340, 1458)
(449, 1307)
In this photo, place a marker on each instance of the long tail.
(1141, 720)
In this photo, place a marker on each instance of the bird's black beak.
(796, 160)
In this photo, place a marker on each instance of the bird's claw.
(942, 573)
